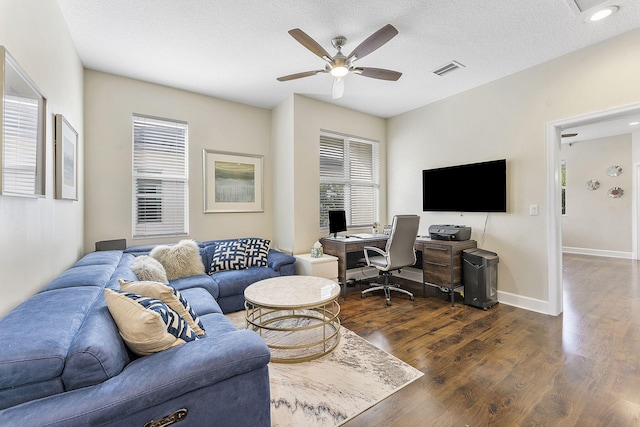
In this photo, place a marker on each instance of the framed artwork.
(232, 182)
(22, 131)
(66, 160)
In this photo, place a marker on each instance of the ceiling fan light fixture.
(603, 13)
(339, 71)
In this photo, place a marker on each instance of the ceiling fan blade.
(378, 73)
(300, 75)
(373, 42)
(306, 41)
(337, 89)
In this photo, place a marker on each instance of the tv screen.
(337, 222)
(474, 187)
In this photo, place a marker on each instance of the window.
(349, 179)
(160, 177)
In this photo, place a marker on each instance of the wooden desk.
(441, 259)
(342, 246)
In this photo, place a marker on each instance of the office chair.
(399, 253)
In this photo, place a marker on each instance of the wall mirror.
(22, 129)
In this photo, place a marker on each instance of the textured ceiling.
(234, 50)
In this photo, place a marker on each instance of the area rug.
(334, 388)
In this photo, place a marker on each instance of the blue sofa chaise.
(64, 363)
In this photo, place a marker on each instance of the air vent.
(579, 6)
(453, 65)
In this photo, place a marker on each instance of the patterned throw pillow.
(257, 252)
(168, 295)
(229, 255)
(147, 325)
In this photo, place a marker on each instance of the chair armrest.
(374, 249)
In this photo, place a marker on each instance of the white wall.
(40, 238)
(282, 144)
(595, 223)
(214, 124)
(300, 228)
(506, 119)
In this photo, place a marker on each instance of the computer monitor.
(337, 222)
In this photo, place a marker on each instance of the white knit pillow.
(180, 260)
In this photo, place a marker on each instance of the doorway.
(554, 215)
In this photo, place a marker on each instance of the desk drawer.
(438, 275)
(437, 255)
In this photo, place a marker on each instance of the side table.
(326, 266)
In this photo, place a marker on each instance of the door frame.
(554, 213)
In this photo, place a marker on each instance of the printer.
(449, 232)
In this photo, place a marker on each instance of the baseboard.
(597, 252)
(527, 303)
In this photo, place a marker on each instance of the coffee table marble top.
(292, 292)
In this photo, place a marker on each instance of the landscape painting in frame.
(66, 167)
(232, 182)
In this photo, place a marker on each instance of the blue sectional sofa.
(64, 363)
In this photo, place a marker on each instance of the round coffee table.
(297, 316)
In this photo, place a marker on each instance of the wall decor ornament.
(22, 131)
(232, 182)
(614, 170)
(592, 184)
(615, 192)
(66, 144)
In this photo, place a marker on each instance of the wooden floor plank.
(508, 366)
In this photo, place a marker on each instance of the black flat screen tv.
(337, 222)
(474, 187)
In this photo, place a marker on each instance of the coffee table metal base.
(296, 335)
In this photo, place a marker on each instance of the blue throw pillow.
(257, 252)
(229, 255)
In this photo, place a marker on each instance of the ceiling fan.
(340, 65)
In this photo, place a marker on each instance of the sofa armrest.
(151, 381)
(277, 259)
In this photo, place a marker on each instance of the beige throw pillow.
(168, 295)
(147, 325)
(180, 260)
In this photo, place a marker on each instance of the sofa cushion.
(229, 255)
(201, 301)
(147, 268)
(147, 325)
(257, 252)
(82, 275)
(168, 295)
(203, 281)
(36, 337)
(97, 352)
(180, 260)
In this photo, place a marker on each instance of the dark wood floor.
(508, 366)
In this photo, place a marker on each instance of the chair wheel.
(388, 302)
(363, 296)
(412, 298)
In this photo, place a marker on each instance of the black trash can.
(480, 277)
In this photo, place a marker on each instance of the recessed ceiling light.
(634, 123)
(603, 13)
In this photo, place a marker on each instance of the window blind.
(20, 155)
(160, 177)
(349, 179)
